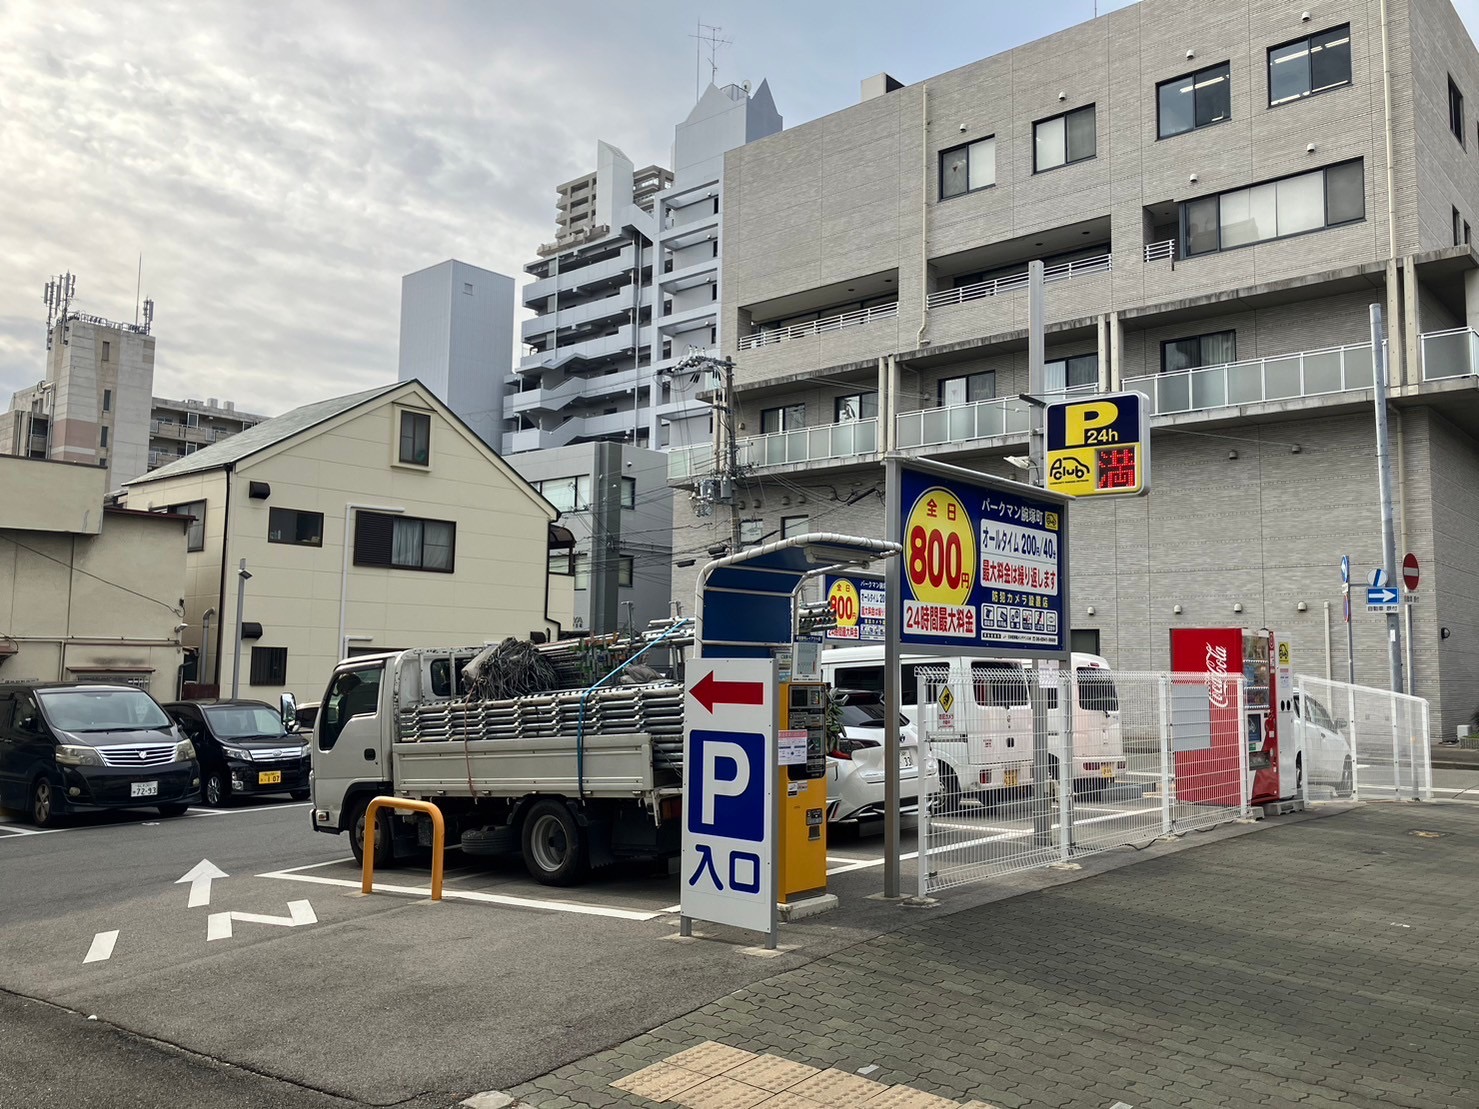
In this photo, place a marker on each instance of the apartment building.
(181, 427)
(1219, 193)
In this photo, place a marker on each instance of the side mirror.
(1341, 724)
(288, 707)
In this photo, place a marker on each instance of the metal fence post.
(1067, 702)
(1302, 694)
(1241, 723)
(1425, 752)
(1355, 746)
(927, 782)
(1164, 701)
(1396, 748)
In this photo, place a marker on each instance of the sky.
(279, 166)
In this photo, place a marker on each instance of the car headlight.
(184, 751)
(236, 753)
(78, 756)
(303, 751)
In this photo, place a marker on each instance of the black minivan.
(71, 747)
(244, 748)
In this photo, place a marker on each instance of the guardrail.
(1161, 252)
(438, 840)
(958, 423)
(819, 327)
(1448, 354)
(1307, 373)
(1064, 272)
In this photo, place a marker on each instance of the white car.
(855, 770)
(1326, 754)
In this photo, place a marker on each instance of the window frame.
(1311, 91)
(269, 666)
(626, 570)
(1183, 242)
(967, 378)
(578, 483)
(841, 399)
(107, 400)
(296, 513)
(419, 418)
(628, 492)
(103, 437)
(967, 147)
(362, 515)
(781, 410)
(788, 522)
(1456, 112)
(1160, 132)
(195, 534)
(1200, 339)
(1092, 109)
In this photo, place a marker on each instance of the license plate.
(906, 760)
(1009, 777)
(1106, 772)
(269, 777)
(143, 789)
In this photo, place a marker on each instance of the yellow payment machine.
(802, 820)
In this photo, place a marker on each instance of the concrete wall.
(81, 375)
(39, 495)
(1447, 170)
(1449, 590)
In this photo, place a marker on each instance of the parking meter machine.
(801, 822)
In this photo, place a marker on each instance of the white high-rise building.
(457, 339)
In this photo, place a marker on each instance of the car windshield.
(101, 710)
(243, 721)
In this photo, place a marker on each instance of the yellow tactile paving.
(711, 1058)
(721, 1093)
(837, 1089)
(907, 1097)
(660, 1082)
(771, 1072)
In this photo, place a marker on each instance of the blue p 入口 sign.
(729, 786)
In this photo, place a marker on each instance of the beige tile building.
(1219, 193)
(446, 544)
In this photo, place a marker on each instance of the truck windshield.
(101, 710)
(242, 721)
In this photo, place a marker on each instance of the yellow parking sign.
(1098, 446)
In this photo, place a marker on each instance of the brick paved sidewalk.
(1326, 963)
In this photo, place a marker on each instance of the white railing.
(765, 337)
(1447, 354)
(1309, 373)
(685, 462)
(810, 444)
(1361, 743)
(959, 423)
(995, 287)
(1161, 252)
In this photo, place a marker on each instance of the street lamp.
(242, 577)
(349, 510)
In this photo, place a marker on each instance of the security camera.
(180, 627)
(1190, 54)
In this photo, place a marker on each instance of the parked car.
(244, 748)
(1327, 757)
(855, 761)
(73, 747)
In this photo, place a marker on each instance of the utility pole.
(1042, 800)
(726, 446)
(1384, 485)
(606, 538)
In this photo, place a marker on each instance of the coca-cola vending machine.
(1205, 776)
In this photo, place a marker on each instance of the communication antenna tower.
(57, 297)
(706, 34)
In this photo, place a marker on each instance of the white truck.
(568, 779)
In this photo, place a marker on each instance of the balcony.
(810, 444)
(1310, 373)
(765, 337)
(1450, 354)
(687, 462)
(961, 423)
(1012, 282)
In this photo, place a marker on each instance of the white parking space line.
(579, 907)
(102, 947)
(10, 829)
(254, 808)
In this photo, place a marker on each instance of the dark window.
(1084, 640)
(628, 492)
(625, 567)
(966, 168)
(1458, 240)
(854, 407)
(103, 436)
(1195, 100)
(1078, 372)
(290, 525)
(269, 666)
(562, 561)
(999, 685)
(352, 693)
(1455, 111)
(1274, 209)
(1096, 692)
(967, 389)
(107, 350)
(789, 417)
(195, 537)
(404, 542)
(1466, 233)
(107, 400)
(1195, 351)
(415, 438)
(1063, 139)
(1309, 65)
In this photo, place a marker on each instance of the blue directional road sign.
(1345, 569)
(1381, 599)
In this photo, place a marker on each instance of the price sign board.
(859, 604)
(983, 563)
(1098, 446)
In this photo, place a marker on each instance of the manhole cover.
(1420, 834)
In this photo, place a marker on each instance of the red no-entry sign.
(1409, 572)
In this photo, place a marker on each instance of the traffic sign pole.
(1384, 482)
(1350, 638)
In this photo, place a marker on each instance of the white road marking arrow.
(200, 876)
(102, 947)
(219, 925)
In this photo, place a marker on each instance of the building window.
(1458, 240)
(108, 347)
(625, 566)
(1195, 100)
(582, 562)
(291, 525)
(1277, 209)
(467, 288)
(107, 400)
(789, 417)
(968, 389)
(562, 561)
(854, 407)
(404, 542)
(792, 526)
(1080, 371)
(1467, 240)
(1195, 351)
(751, 532)
(415, 438)
(568, 494)
(269, 666)
(1309, 65)
(966, 168)
(103, 431)
(1456, 112)
(628, 492)
(192, 419)
(1063, 139)
(195, 537)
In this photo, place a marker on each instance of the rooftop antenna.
(714, 41)
(57, 296)
(138, 288)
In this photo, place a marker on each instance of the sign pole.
(1384, 483)
(891, 703)
(1042, 808)
(1350, 639)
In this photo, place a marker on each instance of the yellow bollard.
(438, 839)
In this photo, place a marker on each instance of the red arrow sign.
(709, 692)
(1409, 572)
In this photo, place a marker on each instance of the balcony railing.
(685, 462)
(1161, 252)
(819, 327)
(958, 423)
(1064, 272)
(1309, 373)
(810, 444)
(1450, 354)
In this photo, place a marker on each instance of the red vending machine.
(1203, 775)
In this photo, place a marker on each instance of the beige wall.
(37, 495)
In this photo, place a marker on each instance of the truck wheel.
(554, 845)
(384, 842)
(948, 800)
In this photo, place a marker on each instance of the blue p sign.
(730, 790)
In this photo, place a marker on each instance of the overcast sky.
(281, 165)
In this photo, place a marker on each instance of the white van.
(983, 742)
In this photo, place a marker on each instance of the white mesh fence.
(1019, 774)
(1358, 742)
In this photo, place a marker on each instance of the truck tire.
(384, 841)
(555, 851)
